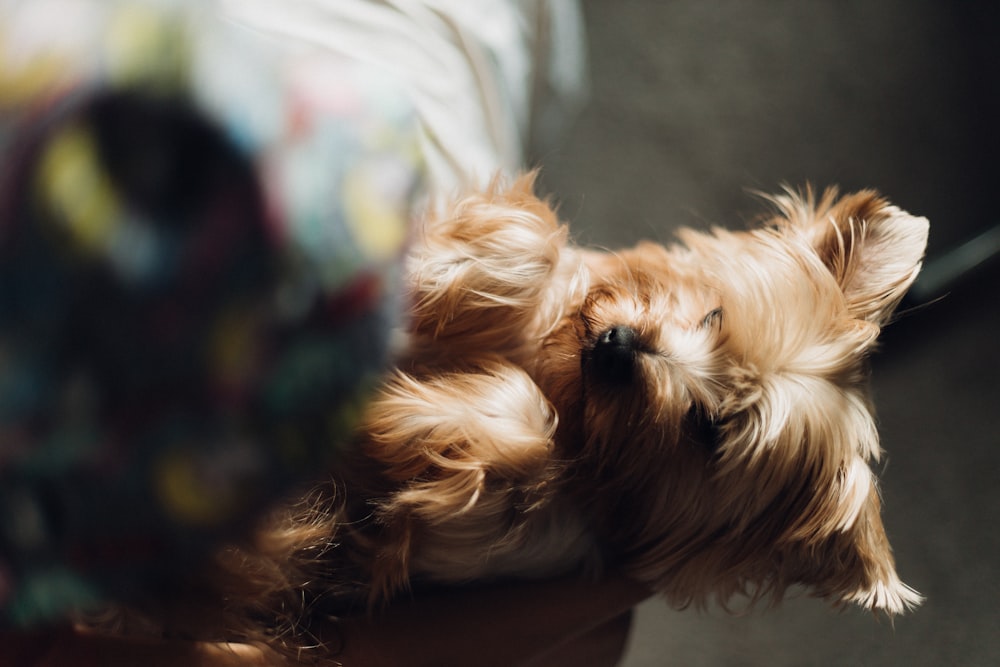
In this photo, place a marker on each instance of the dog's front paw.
(483, 273)
(465, 453)
(487, 421)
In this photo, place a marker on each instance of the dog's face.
(716, 392)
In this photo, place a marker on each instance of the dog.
(695, 416)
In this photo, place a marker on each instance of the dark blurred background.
(695, 104)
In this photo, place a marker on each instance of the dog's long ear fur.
(873, 248)
(839, 548)
(853, 564)
(816, 500)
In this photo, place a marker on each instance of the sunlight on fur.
(694, 415)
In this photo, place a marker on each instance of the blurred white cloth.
(488, 78)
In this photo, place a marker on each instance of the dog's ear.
(873, 248)
(853, 564)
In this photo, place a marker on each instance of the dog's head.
(716, 391)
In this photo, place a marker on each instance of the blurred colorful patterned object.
(199, 236)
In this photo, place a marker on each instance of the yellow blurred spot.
(73, 183)
(39, 78)
(378, 222)
(186, 496)
(27, 79)
(146, 47)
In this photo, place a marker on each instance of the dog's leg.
(491, 273)
(469, 456)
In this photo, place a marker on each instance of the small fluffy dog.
(695, 416)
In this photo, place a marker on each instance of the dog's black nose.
(613, 357)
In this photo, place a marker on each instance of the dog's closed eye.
(713, 319)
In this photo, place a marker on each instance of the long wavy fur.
(695, 415)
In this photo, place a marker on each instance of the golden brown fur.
(694, 415)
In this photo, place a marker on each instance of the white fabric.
(486, 77)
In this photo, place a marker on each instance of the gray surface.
(693, 104)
